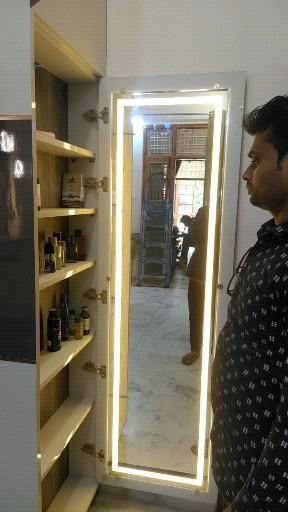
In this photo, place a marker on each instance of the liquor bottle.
(49, 257)
(72, 250)
(72, 322)
(53, 331)
(81, 243)
(38, 194)
(85, 320)
(78, 333)
(64, 314)
(58, 252)
(41, 328)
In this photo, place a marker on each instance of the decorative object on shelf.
(49, 257)
(72, 315)
(64, 313)
(73, 191)
(80, 239)
(72, 250)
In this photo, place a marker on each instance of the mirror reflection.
(167, 175)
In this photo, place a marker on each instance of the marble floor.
(163, 403)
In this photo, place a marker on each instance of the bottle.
(57, 252)
(53, 331)
(38, 194)
(41, 246)
(81, 243)
(85, 320)
(72, 250)
(49, 257)
(64, 314)
(41, 328)
(62, 244)
(78, 333)
(72, 315)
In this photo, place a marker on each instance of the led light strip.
(217, 101)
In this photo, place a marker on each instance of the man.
(197, 237)
(250, 371)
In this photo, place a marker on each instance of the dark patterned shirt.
(250, 382)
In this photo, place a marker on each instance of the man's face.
(266, 178)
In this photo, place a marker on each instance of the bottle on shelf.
(72, 315)
(62, 244)
(41, 245)
(49, 256)
(64, 314)
(38, 195)
(78, 332)
(53, 331)
(85, 320)
(41, 328)
(57, 252)
(81, 243)
(71, 250)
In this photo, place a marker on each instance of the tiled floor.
(163, 404)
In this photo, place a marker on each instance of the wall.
(155, 37)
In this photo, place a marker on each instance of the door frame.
(234, 84)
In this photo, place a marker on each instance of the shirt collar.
(269, 228)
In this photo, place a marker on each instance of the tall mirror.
(169, 154)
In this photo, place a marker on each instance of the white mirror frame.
(191, 86)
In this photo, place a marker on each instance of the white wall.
(155, 37)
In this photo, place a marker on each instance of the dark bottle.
(81, 243)
(64, 314)
(49, 256)
(72, 316)
(53, 331)
(71, 250)
(85, 320)
(41, 328)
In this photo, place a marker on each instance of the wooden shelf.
(45, 213)
(75, 495)
(61, 59)
(52, 363)
(49, 144)
(71, 269)
(59, 430)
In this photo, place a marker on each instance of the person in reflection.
(250, 371)
(188, 223)
(197, 237)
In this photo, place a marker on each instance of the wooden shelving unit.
(60, 67)
(59, 430)
(71, 269)
(56, 55)
(49, 144)
(46, 213)
(76, 494)
(52, 363)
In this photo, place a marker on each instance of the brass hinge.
(93, 183)
(91, 294)
(91, 368)
(93, 116)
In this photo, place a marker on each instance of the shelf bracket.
(93, 183)
(92, 116)
(91, 294)
(91, 368)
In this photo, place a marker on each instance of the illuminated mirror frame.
(215, 99)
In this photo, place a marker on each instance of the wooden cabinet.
(66, 391)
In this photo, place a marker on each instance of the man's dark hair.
(273, 118)
(186, 219)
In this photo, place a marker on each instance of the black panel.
(17, 253)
